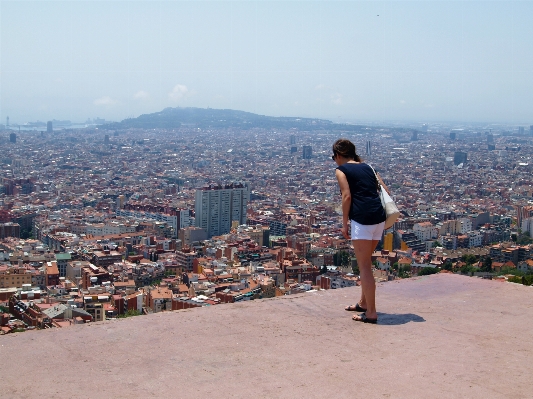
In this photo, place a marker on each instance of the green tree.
(404, 272)
(486, 265)
(447, 265)
(509, 270)
(323, 269)
(426, 271)
(524, 238)
(436, 244)
(129, 313)
(466, 269)
(514, 271)
(525, 279)
(355, 267)
(469, 259)
(344, 258)
(26, 234)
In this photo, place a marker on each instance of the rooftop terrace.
(438, 336)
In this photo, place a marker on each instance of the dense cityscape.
(110, 221)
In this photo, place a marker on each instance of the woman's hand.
(344, 231)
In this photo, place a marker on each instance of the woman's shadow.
(393, 319)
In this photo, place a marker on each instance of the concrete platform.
(444, 336)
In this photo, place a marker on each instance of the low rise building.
(14, 276)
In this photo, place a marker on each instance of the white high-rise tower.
(216, 207)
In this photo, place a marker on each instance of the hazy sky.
(341, 60)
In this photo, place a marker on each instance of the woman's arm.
(346, 201)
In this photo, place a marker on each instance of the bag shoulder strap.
(375, 174)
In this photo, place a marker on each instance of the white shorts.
(366, 231)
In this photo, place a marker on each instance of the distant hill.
(171, 118)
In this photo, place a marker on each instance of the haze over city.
(174, 199)
(347, 61)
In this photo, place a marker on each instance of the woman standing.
(362, 209)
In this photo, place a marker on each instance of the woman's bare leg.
(363, 253)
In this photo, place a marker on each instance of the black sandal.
(355, 308)
(365, 319)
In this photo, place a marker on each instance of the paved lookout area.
(443, 336)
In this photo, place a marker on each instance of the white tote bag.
(391, 210)
(390, 207)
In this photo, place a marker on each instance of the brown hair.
(346, 149)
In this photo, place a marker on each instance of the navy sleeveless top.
(366, 205)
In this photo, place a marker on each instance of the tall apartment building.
(464, 225)
(459, 157)
(368, 148)
(475, 239)
(9, 229)
(185, 259)
(278, 228)
(292, 139)
(121, 200)
(62, 260)
(448, 241)
(523, 212)
(447, 227)
(527, 225)
(216, 207)
(424, 231)
(307, 152)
